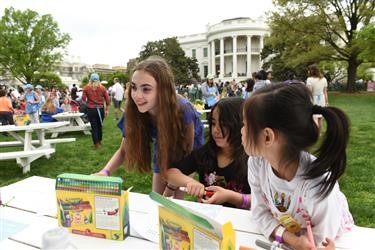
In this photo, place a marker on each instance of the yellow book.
(93, 206)
(183, 228)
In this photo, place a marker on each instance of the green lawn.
(358, 182)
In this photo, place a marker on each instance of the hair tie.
(316, 109)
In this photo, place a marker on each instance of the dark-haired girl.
(220, 163)
(290, 187)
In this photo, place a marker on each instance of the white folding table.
(76, 123)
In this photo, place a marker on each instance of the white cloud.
(114, 31)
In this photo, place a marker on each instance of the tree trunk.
(352, 73)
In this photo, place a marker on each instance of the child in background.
(49, 109)
(220, 163)
(66, 104)
(291, 187)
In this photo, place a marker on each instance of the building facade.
(228, 50)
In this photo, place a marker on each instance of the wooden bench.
(24, 158)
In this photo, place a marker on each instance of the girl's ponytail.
(331, 153)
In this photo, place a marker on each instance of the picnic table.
(205, 112)
(35, 197)
(75, 123)
(32, 149)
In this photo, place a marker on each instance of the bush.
(337, 86)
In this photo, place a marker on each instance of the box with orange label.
(183, 228)
(93, 206)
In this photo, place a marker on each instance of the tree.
(30, 43)
(48, 79)
(184, 68)
(303, 32)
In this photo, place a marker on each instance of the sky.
(114, 31)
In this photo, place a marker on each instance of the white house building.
(229, 49)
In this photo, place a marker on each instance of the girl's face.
(216, 132)
(143, 91)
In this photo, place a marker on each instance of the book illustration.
(93, 206)
(173, 237)
(75, 212)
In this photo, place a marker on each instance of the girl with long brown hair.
(155, 114)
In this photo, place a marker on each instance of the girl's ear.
(269, 136)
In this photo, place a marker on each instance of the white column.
(234, 73)
(260, 51)
(221, 76)
(248, 57)
(208, 59)
(213, 64)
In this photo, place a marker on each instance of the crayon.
(208, 194)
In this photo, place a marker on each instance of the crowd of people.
(37, 102)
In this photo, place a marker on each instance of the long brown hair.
(49, 106)
(314, 71)
(171, 143)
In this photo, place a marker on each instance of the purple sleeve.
(189, 112)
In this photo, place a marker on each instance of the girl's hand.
(220, 195)
(302, 243)
(195, 188)
(328, 245)
(168, 192)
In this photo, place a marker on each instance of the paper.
(210, 210)
(146, 225)
(9, 228)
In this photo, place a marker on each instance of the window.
(194, 53)
(205, 52)
(205, 70)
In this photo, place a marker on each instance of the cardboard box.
(183, 228)
(21, 119)
(93, 206)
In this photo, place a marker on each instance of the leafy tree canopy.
(30, 43)
(304, 32)
(184, 68)
(48, 79)
(122, 77)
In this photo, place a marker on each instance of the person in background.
(31, 99)
(49, 109)
(6, 109)
(210, 92)
(66, 105)
(73, 92)
(317, 84)
(221, 163)
(291, 79)
(290, 187)
(269, 77)
(117, 93)
(155, 115)
(98, 102)
(249, 88)
(39, 91)
(260, 80)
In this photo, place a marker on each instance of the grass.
(358, 182)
